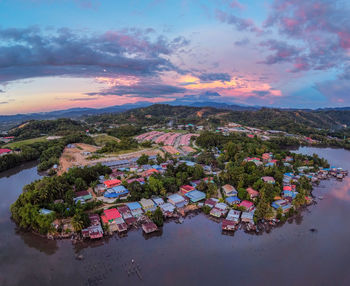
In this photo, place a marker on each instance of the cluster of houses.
(266, 160)
(121, 218)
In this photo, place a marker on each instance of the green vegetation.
(20, 144)
(36, 128)
(43, 194)
(242, 174)
(103, 139)
(157, 217)
(123, 145)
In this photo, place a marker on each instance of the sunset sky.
(59, 54)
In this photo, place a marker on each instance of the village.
(226, 206)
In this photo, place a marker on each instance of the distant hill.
(268, 118)
(201, 113)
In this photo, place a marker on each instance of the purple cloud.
(242, 42)
(26, 53)
(282, 51)
(321, 27)
(241, 24)
(207, 77)
(146, 90)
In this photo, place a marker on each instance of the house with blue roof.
(289, 194)
(283, 204)
(177, 200)
(233, 200)
(135, 208)
(195, 196)
(116, 192)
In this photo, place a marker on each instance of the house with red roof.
(110, 216)
(252, 193)
(149, 172)
(186, 189)
(112, 183)
(249, 206)
(5, 151)
(287, 188)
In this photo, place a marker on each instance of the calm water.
(192, 253)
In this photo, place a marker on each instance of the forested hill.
(306, 122)
(288, 120)
(37, 128)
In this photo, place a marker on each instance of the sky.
(60, 54)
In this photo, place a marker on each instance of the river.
(192, 253)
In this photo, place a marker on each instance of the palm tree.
(77, 222)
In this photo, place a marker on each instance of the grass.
(19, 144)
(102, 139)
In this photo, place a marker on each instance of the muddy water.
(192, 253)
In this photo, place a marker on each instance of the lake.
(192, 253)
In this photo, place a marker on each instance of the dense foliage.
(43, 194)
(37, 128)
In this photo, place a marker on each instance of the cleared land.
(77, 156)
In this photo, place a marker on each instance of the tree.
(80, 220)
(160, 159)
(263, 209)
(143, 160)
(242, 194)
(198, 172)
(157, 217)
(80, 185)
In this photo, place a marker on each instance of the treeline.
(47, 152)
(37, 128)
(56, 193)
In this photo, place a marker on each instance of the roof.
(221, 206)
(147, 203)
(4, 151)
(45, 211)
(187, 188)
(246, 204)
(228, 189)
(110, 214)
(113, 194)
(149, 172)
(119, 189)
(149, 227)
(112, 183)
(232, 199)
(252, 192)
(167, 207)
(124, 209)
(82, 194)
(247, 215)
(195, 196)
(176, 198)
(268, 179)
(134, 206)
(158, 201)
